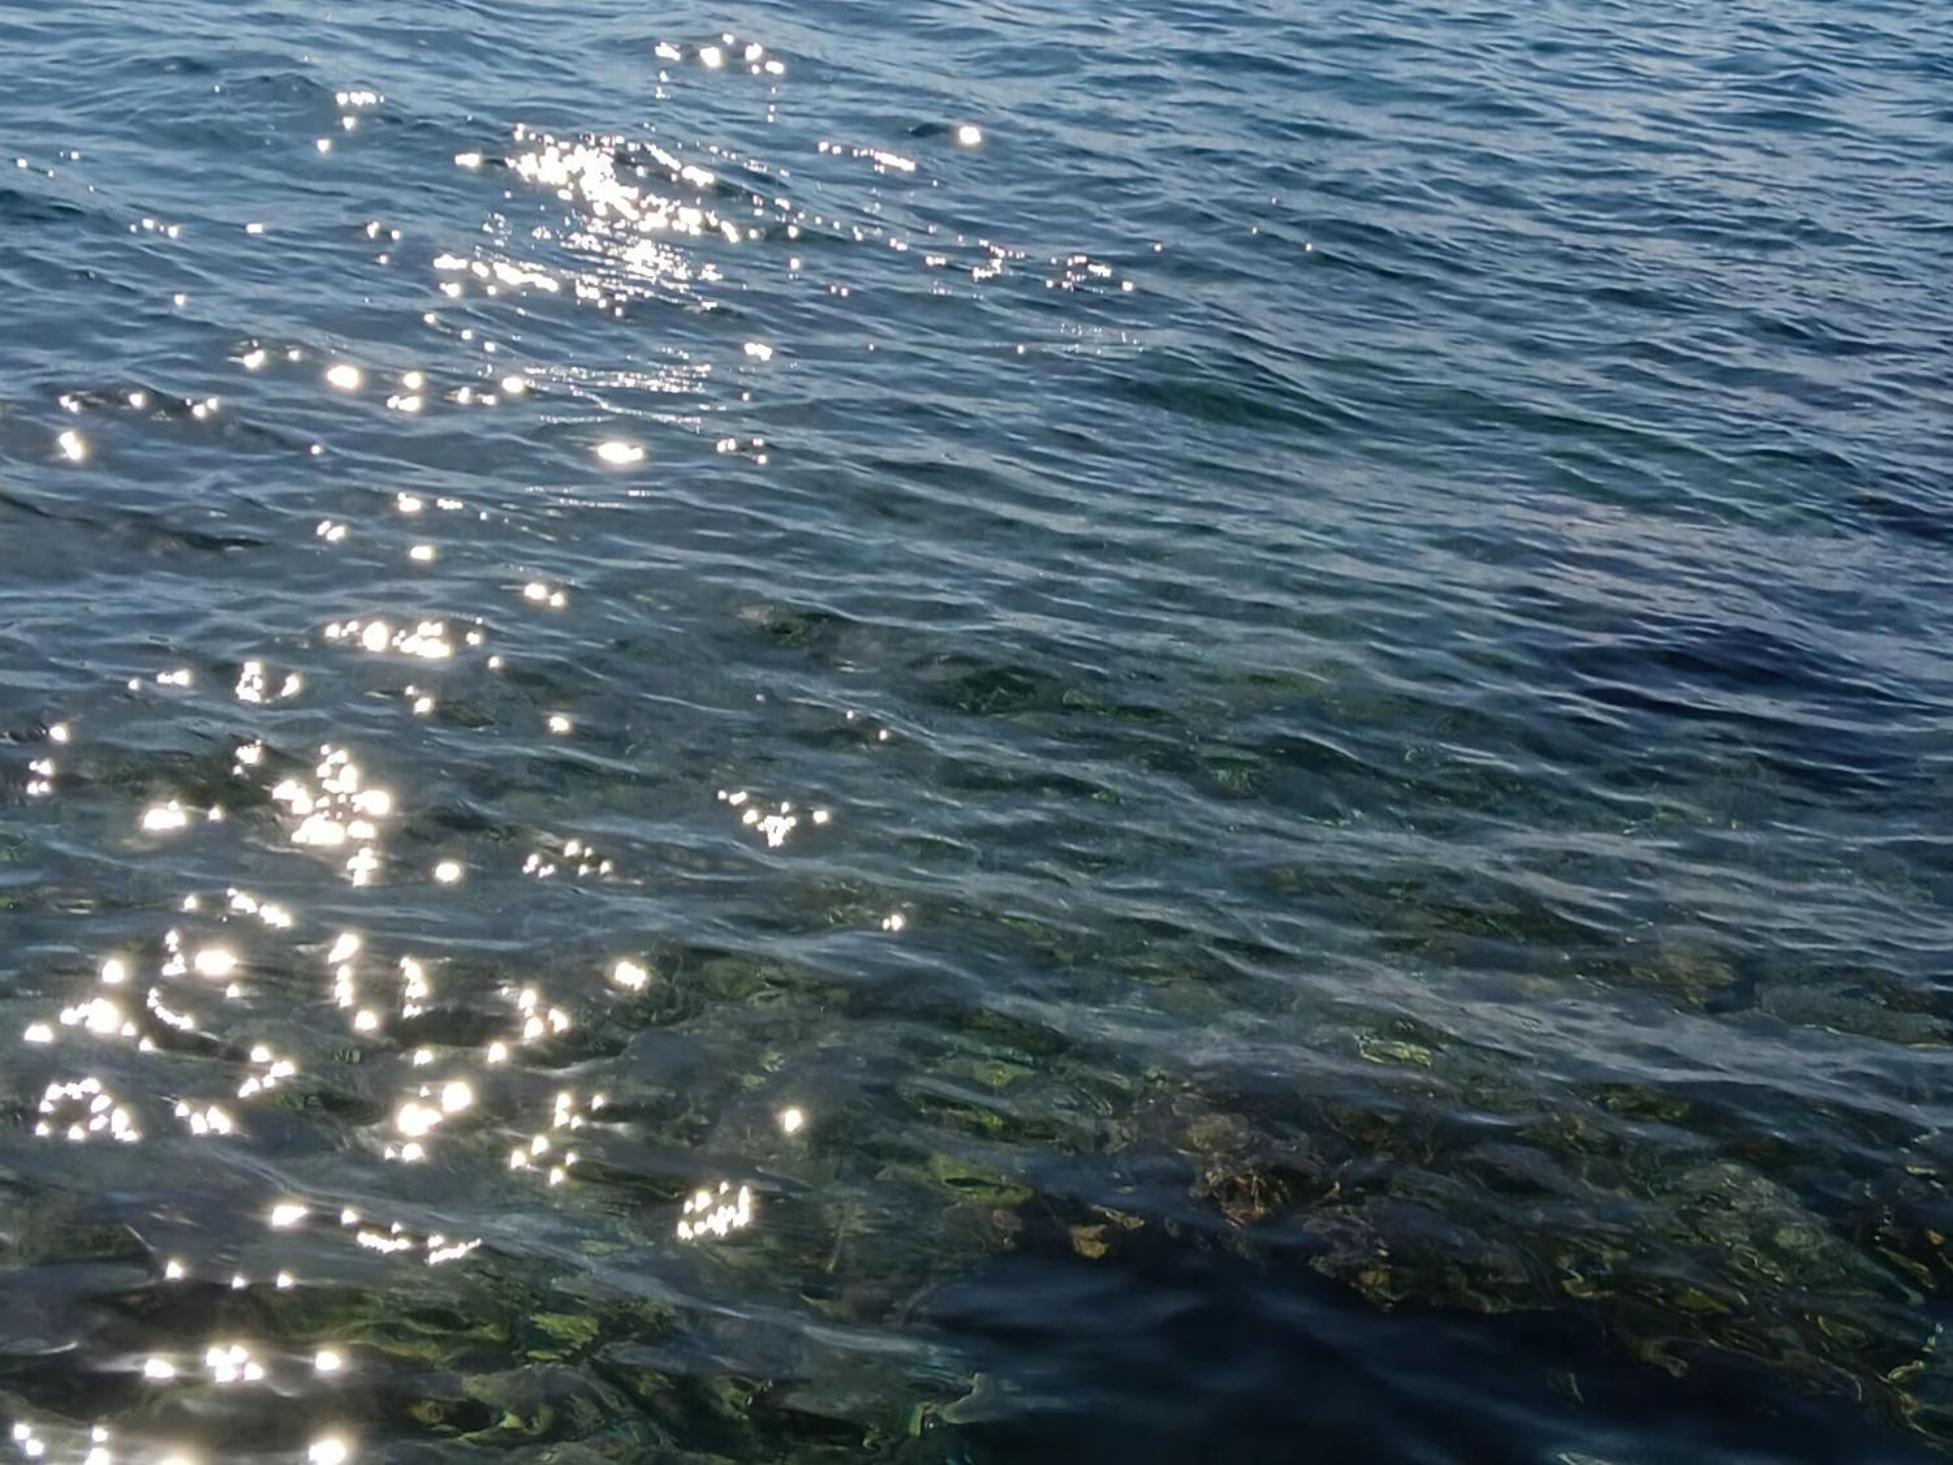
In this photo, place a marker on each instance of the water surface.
(966, 733)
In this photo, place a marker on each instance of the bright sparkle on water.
(440, 544)
(717, 1214)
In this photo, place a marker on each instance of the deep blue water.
(976, 733)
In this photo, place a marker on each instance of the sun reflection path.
(624, 219)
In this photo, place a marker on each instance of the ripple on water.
(913, 737)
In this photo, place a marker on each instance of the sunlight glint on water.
(957, 738)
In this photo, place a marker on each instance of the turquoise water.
(969, 734)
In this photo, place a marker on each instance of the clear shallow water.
(1349, 611)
